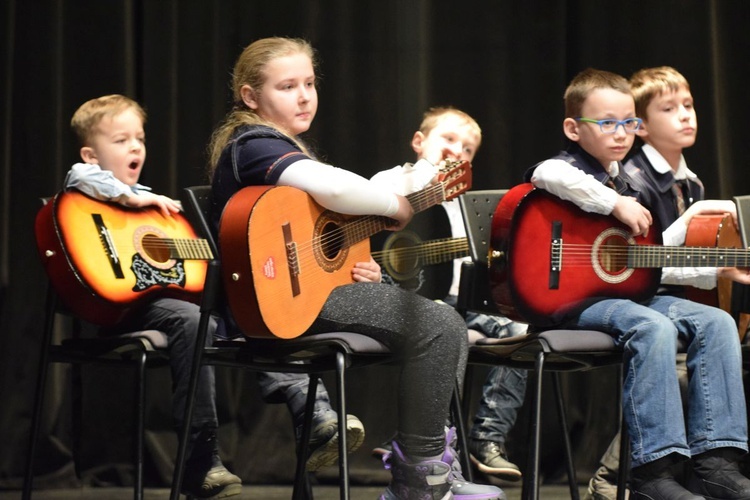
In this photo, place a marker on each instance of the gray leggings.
(428, 338)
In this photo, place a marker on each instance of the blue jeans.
(504, 389)
(648, 333)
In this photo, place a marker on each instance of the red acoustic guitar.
(549, 258)
(103, 258)
(282, 253)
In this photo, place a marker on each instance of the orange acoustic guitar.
(549, 258)
(103, 259)
(282, 253)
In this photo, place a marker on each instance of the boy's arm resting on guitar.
(102, 185)
(572, 184)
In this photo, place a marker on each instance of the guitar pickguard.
(147, 275)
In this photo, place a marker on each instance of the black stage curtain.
(382, 64)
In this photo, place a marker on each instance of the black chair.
(138, 350)
(314, 355)
(539, 351)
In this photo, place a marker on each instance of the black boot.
(205, 476)
(716, 475)
(655, 481)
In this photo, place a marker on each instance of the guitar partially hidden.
(103, 259)
(717, 231)
(420, 258)
(282, 253)
(548, 258)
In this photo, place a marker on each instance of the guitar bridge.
(555, 262)
(109, 246)
(292, 260)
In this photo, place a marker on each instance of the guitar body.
(713, 231)
(403, 255)
(534, 280)
(103, 259)
(267, 298)
(716, 231)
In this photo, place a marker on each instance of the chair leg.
(530, 490)
(179, 466)
(463, 445)
(41, 384)
(302, 488)
(343, 445)
(140, 417)
(572, 480)
(624, 469)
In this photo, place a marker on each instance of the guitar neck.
(439, 251)
(364, 227)
(188, 249)
(651, 256)
(428, 252)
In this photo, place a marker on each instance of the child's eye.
(608, 123)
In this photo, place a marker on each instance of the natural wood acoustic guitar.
(282, 253)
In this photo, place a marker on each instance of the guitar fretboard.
(648, 256)
(194, 249)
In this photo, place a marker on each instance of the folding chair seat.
(334, 352)
(540, 351)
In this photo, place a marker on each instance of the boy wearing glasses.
(664, 102)
(600, 121)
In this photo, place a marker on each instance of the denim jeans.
(648, 333)
(178, 320)
(504, 389)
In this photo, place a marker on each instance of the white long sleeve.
(570, 183)
(338, 189)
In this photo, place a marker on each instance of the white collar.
(662, 166)
(614, 169)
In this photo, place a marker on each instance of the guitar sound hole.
(331, 241)
(613, 255)
(155, 248)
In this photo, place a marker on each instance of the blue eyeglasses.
(609, 125)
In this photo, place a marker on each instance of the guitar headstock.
(455, 176)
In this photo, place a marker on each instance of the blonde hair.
(650, 82)
(586, 82)
(88, 116)
(250, 70)
(432, 116)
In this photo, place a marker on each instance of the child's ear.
(570, 128)
(249, 97)
(642, 131)
(88, 155)
(416, 142)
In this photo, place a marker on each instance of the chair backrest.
(197, 205)
(477, 208)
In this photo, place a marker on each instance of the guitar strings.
(657, 255)
(352, 231)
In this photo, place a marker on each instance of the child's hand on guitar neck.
(403, 215)
(166, 205)
(634, 215)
